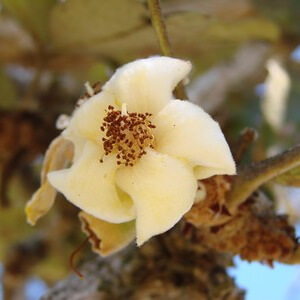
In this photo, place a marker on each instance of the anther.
(127, 134)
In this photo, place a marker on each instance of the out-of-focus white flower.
(288, 201)
(277, 87)
(139, 152)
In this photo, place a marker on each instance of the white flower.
(139, 152)
(277, 88)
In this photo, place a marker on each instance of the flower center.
(127, 134)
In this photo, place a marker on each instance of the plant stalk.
(251, 177)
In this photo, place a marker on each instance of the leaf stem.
(250, 177)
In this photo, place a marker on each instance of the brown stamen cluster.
(127, 135)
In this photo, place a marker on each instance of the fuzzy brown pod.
(254, 234)
(253, 231)
(212, 209)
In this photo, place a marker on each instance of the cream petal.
(79, 143)
(90, 185)
(163, 190)
(146, 85)
(206, 172)
(107, 238)
(86, 121)
(185, 131)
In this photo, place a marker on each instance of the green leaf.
(8, 96)
(117, 30)
(192, 35)
(290, 178)
(80, 23)
(285, 13)
(32, 14)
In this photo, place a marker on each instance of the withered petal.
(106, 238)
(58, 155)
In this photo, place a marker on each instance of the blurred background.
(246, 58)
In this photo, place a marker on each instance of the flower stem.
(250, 177)
(159, 25)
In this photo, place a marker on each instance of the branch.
(246, 138)
(141, 273)
(249, 178)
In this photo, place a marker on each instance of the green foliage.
(97, 72)
(290, 178)
(79, 24)
(8, 97)
(33, 14)
(120, 30)
(286, 13)
(13, 220)
(103, 27)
